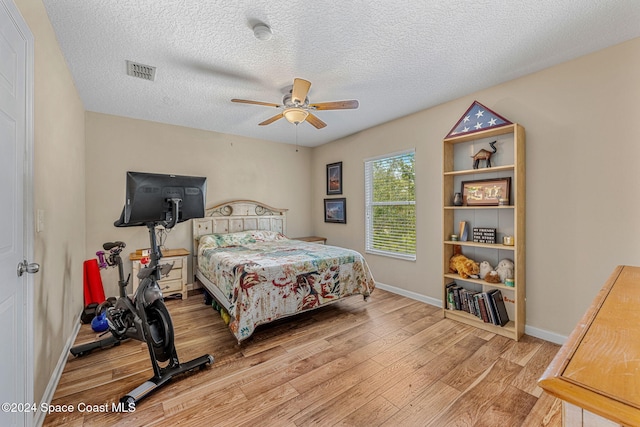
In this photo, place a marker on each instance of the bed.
(247, 264)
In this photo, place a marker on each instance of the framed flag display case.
(477, 118)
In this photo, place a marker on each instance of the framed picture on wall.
(335, 210)
(334, 178)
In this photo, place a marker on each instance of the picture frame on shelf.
(334, 178)
(335, 210)
(486, 192)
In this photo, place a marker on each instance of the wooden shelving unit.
(509, 161)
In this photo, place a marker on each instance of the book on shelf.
(490, 308)
(473, 307)
(483, 308)
(451, 301)
(497, 302)
(464, 231)
(476, 304)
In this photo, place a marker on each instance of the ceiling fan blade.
(246, 101)
(300, 90)
(315, 121)
(271, 120)
(335, 105)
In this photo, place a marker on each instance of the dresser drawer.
(169, 287)
(175, 273)
(175, 282)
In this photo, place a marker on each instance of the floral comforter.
(265, 275)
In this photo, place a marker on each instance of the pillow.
(238, 239)
(267, 236)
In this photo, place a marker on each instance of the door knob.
(25, 267)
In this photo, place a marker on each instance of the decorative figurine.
(484, 155)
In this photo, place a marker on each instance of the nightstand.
(176, 280)
(314, 239)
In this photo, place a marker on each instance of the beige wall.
(583, 147)
(59, 190)
(235, 167)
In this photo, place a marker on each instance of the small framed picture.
(335, 210)
(486, 192)
(334, 178)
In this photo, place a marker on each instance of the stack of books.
(488, 306)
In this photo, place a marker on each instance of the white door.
(16, 76)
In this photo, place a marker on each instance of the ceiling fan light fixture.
(296, 106)
(262, 32)
(295, 115)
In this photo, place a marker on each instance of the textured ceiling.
(395, 57)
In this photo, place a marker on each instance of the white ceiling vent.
(141, 71)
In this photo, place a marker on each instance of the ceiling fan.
(296, 106)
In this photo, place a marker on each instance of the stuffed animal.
(464, 266)
(492, 277)
(488, 273)
(505, 269)
(485, 268)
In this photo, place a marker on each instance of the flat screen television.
(149, 198)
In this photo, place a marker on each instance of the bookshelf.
(507, 220)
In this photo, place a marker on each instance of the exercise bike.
(144, 317)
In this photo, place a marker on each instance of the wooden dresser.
(596, 373)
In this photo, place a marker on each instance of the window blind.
(390, 205)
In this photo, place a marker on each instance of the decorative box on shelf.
(484, 235)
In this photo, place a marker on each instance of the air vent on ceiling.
(141, 71)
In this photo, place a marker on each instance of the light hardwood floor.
(389, 361)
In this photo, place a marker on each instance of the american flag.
(477, 118)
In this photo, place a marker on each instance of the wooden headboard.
(239, 215)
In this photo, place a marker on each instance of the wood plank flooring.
(389, 361)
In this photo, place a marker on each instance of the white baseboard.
(47, 397)
(545, 335)
(529, 330)
(409, 294)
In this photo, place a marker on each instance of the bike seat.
(110, 245)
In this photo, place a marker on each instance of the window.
(391, 205)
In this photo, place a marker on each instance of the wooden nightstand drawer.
(176, 261)
(174, 274)
(169, 287)
(176, 281)
(176, 271)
